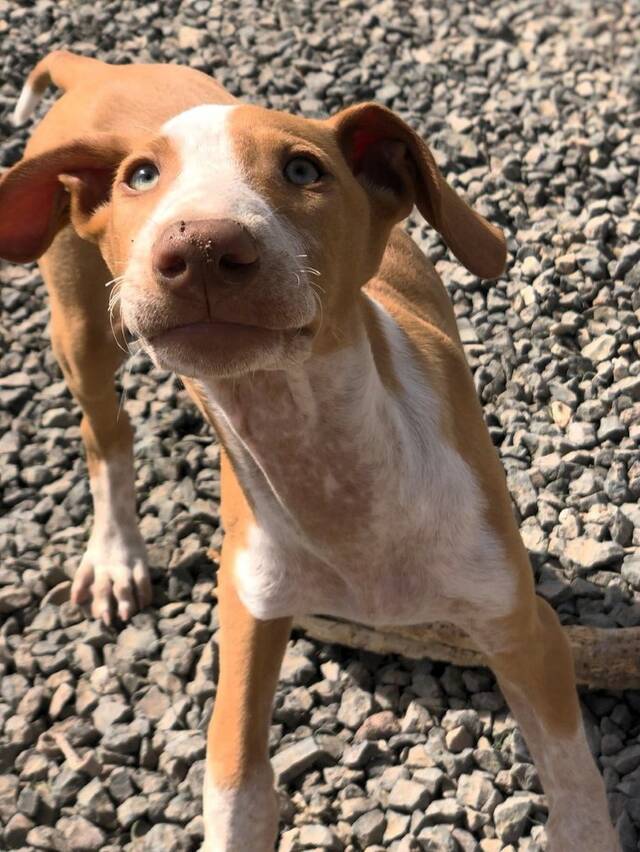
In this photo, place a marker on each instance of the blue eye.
(143, 177)
(302, 171)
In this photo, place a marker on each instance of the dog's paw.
(569, 830)
(113, 574)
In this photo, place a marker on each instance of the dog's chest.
(391, 553)
(361, 509)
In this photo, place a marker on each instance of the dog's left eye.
(144, 176)
(302, 171)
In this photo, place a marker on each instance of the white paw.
(113, 573)
(225, 810)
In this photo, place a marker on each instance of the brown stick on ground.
(604, 659)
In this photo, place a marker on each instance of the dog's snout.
(215, 251)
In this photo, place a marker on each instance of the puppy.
(257, 254)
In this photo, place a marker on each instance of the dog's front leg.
(531, 658)
(239, 802)
(113, 572)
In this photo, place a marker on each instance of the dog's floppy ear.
(41, 193)
(398, 170)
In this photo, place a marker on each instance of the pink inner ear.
(25, 232)
(363, 139)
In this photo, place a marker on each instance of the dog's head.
(239, 236)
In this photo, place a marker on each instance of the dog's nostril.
(235, 261)
(172, 265)
(216, 251)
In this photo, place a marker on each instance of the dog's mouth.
(206, 333)
(221, 347)
(216, 331)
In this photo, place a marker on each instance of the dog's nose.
(216, 251)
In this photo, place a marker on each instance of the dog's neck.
(310, 443)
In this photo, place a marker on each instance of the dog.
(258, 255)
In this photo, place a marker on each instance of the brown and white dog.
(257, 255)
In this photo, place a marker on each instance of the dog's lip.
(200, 332)
(198, 327)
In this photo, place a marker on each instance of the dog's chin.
(224, 350)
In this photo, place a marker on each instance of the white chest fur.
(362, 509)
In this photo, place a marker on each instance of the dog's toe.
(114, 576)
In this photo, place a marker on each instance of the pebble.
(586, 554)
(355, 706)
(437, 839)
(167, 836)
(295, 759)
(369, 828)
(80, 834)
(510, 818)
(408, 796)
(602, 348)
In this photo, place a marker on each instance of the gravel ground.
(533, 109)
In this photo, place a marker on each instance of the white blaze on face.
(211, 184)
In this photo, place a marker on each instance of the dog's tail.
(61, 68)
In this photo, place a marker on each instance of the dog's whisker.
(123, 393)
(311, 271)
(317, 287)
(124, 334)
(114, 299)
(318, 301)
(117, 280)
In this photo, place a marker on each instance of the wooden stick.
(604, 659)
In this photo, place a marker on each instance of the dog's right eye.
(144, 176)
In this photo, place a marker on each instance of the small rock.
(369, 828)
(378, 726)
(631, 570)
(191, 38)
(603, 348)
(437, 839)
(355, 706)
(444, 810)
(530, 267)
(511, 817)
(587, 554)
(317, 837)
(293, 760)
(95, 804)
(476, 791)
(16, 831)
(165, 836)
(408, 796)
(80, 834)
(582, 435)
(9, 786)
(561, 413)
(459, 739)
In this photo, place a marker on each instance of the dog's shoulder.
(409, 288)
